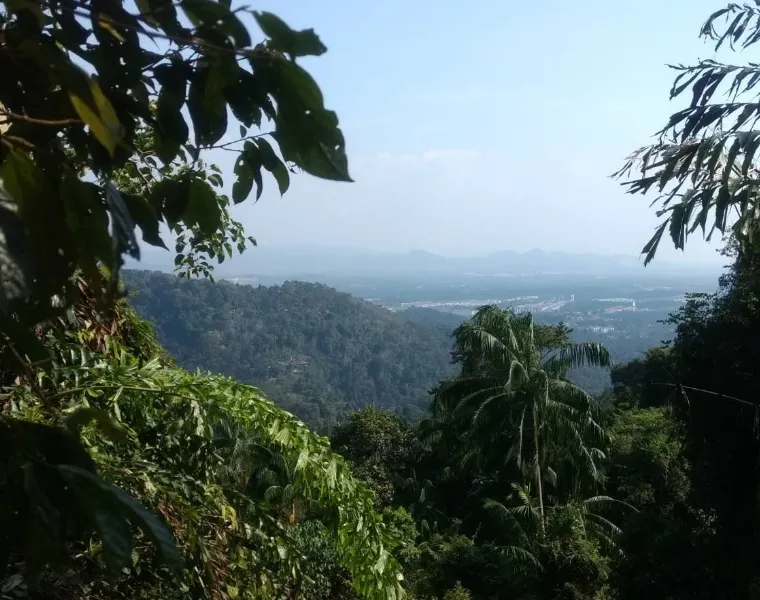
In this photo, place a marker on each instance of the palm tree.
(523, 525)
(513, 403)
(258, 469)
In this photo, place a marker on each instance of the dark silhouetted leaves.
(705, 163)
(207, 105)
(288, 41)
(247, 169)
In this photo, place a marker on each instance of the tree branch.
(11, 116)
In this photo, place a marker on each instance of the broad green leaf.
(21, 179)
(96, 497)
(114, 531)
(143, 214)
(288, 41)
(202, 207)
(172, 129)
(16, 6)
(169, 198)
(248, 171)
(274, 165)
(216, 14)
(99, 116)
(247, 97)
(44, 528)
(244, 183)
(87, 220)
(307, 133)
(206, 103)
(123, 226)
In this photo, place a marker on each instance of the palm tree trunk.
(539, 484)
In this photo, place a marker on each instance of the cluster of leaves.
(157, 432)
(704, 164)
(197, 242)
(79, 93)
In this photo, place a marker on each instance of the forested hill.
(317, 352)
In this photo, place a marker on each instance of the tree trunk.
(539, 484)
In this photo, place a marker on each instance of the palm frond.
(586, 354)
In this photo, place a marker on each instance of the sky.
(488, 125)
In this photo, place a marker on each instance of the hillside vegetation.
(319, 353)
(125, 476)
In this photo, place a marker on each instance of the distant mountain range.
(307, 262)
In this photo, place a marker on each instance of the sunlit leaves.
(184, 407)
(98, 114)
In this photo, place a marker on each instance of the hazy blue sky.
(485, 125)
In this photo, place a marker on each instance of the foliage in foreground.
(98, 103)
(156, 431)
(704, 164)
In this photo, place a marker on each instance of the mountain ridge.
(299, 262)
(317, 352)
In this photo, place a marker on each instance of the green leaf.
(172, 130)
(97, 496)
(43, 529)
(247, 169)
(98, 114)
(21, 179)
(146, 218)
(114, 531)
(202, 207)
(651, 247)
(16, 6)
(288, 41)
(169, 198)
(218, 16)
(207, 104)
(146, 12)
(274, 165)
(87, 220)
(247, 97)
(308, 134)
(122, 224)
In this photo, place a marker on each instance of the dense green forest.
(320, 353)
(124, 475)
